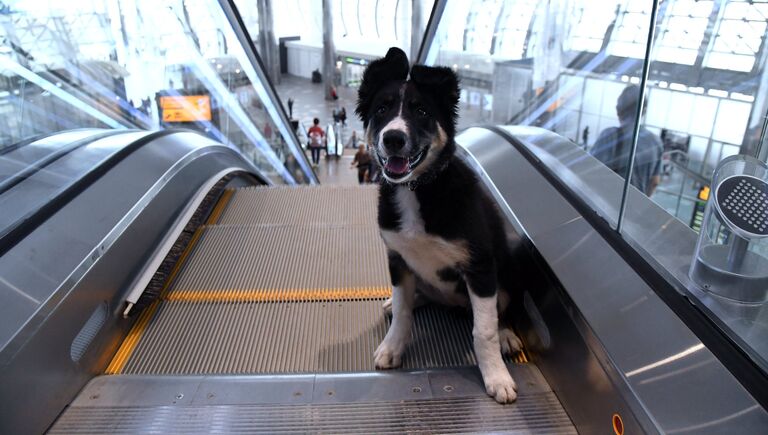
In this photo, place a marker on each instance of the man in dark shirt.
(614, 144)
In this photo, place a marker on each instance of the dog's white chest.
(424, 253)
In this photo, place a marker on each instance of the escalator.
(269, 322)
(172, 289)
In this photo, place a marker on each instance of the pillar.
(329, 51)
(417, 29)
(268, 49)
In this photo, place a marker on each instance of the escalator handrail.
(429, 33)
(24, 142)
(22, 227)
(238, 27)
(36, 166)
(732, 356)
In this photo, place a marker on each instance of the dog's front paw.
(389, 354)
(501, 387)
(510, 343)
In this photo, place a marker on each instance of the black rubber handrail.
(229, 7)
(10, 182)
(24, 142)
(22, 227)
(725, 349)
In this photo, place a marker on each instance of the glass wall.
(138, 64)
(564, 66)
(549, 64)
(576, 67)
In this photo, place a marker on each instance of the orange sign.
(189, 108)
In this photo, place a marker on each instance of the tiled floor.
(309, 103)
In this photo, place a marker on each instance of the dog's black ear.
(392, 67)
(442, 85)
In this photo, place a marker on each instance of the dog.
(445, 238)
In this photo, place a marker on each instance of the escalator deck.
(276, 305)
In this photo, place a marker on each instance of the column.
(268, 49)
(417, 29)
(329, 51)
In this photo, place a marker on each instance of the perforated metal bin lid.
(742, 201)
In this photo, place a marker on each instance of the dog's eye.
(421, 112)
(381, 110)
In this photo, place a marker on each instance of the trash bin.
(731, 258)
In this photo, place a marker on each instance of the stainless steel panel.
(361, 403)
(647, 355)
(86, 255)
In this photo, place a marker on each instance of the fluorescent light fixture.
(742, 97)
(718, 93)
(678, 87)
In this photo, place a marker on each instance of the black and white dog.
(445, 237)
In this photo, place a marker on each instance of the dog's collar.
(427, 177)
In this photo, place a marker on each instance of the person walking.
(363, 162)
(316, 141)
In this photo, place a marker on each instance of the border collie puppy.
(444, 236)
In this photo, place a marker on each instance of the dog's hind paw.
(387, 306)
(510, 343)
(501, 387)
(389, 354)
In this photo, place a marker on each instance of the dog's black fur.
(414, 121)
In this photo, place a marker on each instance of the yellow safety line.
(129, 344)
(521, 357)
(220, 206)
(279, 295)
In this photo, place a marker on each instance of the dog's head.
(409, 122)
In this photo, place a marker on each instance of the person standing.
(614, 144)
(363, 161)
(352, 142)
(316, 141)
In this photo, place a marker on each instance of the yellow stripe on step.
(279, 295)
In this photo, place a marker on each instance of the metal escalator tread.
(265, 296)
(233, 262)
(298, 337)
(427, 401)
(465, 415)
(324, 205)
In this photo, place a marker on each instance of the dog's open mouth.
(396, 167)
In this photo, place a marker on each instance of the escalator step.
(463, 415)
(296, 337)
(328, 205)
(272, 262)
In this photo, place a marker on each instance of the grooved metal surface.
(269, 258)
(334, 205)
(533, 414)
(296, 337)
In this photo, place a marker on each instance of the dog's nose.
(394, 140)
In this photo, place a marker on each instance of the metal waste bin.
(731, 258)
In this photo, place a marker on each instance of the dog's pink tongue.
(397, 165)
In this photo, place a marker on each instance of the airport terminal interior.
(182, 252)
